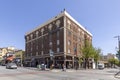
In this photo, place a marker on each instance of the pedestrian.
(64, 68)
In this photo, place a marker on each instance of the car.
(11, 66)
(101, 66)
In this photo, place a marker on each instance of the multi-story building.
(105, 59)
(3, 51)
(58, 41)
(19, 57)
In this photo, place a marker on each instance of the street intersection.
(35, 74)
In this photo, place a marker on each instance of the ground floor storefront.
(56, 61)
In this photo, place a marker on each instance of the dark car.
(11, 66)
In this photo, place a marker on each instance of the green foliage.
(87, 50)
(90, 52)
(113, 61)
(97, 54)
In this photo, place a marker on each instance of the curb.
(117, 75)
(63, 71)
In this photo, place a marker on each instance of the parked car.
(11, 66)
(100, 66)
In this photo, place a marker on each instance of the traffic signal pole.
(118, 48)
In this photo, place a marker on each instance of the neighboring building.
(57, 42)
(108, 56)
(19, 57)
(5, 50)
(6, 54)
(105, 59)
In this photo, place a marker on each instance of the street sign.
(51, 53)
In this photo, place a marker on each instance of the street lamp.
(118, 48)
(51, 57)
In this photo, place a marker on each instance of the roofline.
(64, 13)
(69, 16)
(42, 25)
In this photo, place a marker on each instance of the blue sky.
(100, 17)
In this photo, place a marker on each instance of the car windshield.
(11, 64)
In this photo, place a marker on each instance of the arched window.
(58, 23)
(50, 27)
(37, 33)
(69, 23)
(42, 30)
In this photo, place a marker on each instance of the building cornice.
(64, 13)
(69, 16)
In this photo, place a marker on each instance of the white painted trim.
(64, 13)
(40, 36)
(65, 35)
(49, 21)
(69, 16)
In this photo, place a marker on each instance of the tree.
(113, 62)
(90, 52)
(118, 55)
(97, 55)
(87, 51)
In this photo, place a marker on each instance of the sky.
(100, 17)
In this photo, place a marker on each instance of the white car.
(100, 66)
(11, 66)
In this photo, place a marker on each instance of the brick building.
(58, 41)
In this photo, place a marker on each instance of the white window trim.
(58, 23)
(58, 42)
(50, 26)
(69, 51)
(58, 49)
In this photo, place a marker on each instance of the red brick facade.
(56, 42)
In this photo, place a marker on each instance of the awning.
(10, 58)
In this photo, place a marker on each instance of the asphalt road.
(34, 74)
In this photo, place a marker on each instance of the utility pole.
(118, 48)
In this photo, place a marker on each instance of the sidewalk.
(117, 75)
(60, 70)
(53, 70)
(34, 68)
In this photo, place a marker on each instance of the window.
(31, 49)
(69, 33)
(39, 53)
(37, 47)
(58, 34)
(42, 45)
(69, 42)
(58, 49)
(51, 52)
(75, 49)
(31, 36)
(58, 42)
(69, 23)
(37, 33)
(50, 38)
(27, 38)
(58, 23)
(42, 30)
(79, 30)
(50, 26)
(31, 54)
(50, 43)
(68, 50)
(79, 39)
(42, 52)
(36, 53)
